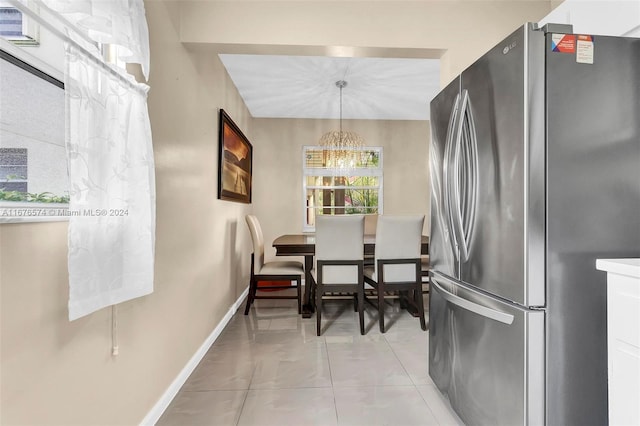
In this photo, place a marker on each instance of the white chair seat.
(282, 268)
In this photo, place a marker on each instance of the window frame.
(377, 172)
(30, 32)
(31, 211)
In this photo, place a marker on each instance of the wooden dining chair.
(339, 261)
(397, 262)
(270, 271)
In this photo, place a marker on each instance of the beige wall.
(463, 28)
(277, 154)
(57, 372)
(60, 372)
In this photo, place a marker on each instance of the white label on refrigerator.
(584, 49)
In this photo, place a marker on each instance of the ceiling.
(283, 86)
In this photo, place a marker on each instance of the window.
(16, 27)
(330, 191)
(13, 169)
(34, 182)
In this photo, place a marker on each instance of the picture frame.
(235, 165)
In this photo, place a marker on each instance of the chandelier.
(341, 149)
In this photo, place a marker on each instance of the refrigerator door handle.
(465, 177)
(471, 306)
(471, 144)
(448, 184)
(457, 201)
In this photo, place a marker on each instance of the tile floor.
(270, 368)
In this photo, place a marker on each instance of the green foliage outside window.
(42, 197)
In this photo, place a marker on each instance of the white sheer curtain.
(118, 22)
(111, 169)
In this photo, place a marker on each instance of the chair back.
(258, 242)
(340, 238)
(399, 237)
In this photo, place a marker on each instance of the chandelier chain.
(340, 86)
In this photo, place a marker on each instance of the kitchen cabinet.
(623, 330)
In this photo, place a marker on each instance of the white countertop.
(629, 267)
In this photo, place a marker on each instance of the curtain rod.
(125, 78)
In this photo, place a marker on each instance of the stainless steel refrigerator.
(535, 173)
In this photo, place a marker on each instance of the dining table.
(305, 245)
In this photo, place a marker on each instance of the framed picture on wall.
(235, 162)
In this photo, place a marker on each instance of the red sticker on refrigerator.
(563, 43)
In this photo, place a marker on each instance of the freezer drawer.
(486, 355)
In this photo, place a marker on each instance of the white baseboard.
(156, 411)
